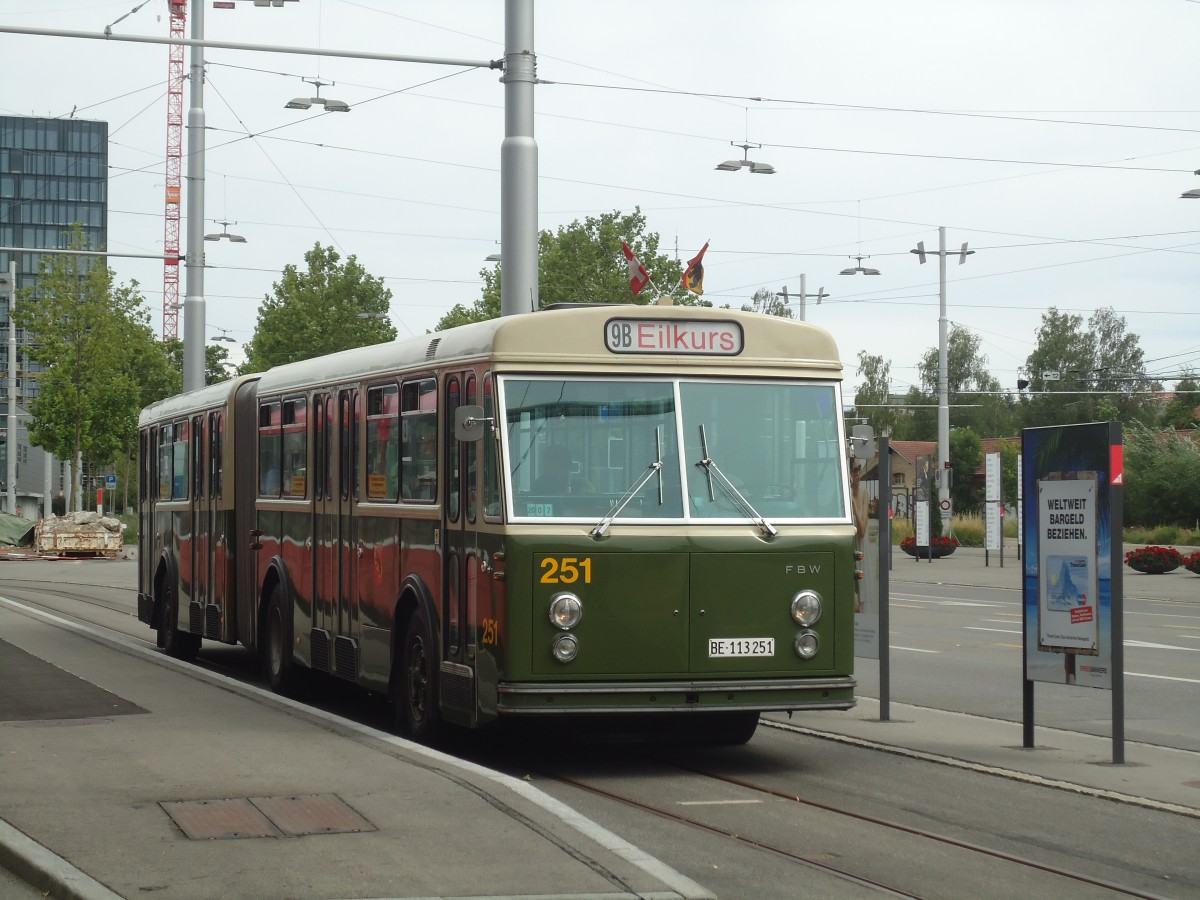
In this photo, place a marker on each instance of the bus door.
(460, 501)
(199, 506)
(346, 538)
(325, 520)
(220, 573)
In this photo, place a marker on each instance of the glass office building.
(53, 174)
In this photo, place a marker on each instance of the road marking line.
(716, 802)
(1149, 646)
(999, 630)
(1164, 677)
(914, 649)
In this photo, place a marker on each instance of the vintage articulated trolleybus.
(576, 512)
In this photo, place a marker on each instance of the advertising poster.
(865, 506)
(1067, 565)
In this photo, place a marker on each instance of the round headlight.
(565, 611)
(807, 644)
(806, 608)
(565, 647)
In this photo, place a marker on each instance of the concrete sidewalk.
(124, 775)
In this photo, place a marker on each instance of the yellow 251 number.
(567, 570)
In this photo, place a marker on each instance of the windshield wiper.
(710, 469)
(655, 468)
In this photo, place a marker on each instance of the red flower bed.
(1192, 563)
(941, 546)
(1154, 560)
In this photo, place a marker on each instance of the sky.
(1054, 137)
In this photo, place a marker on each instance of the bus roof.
(583, 338)
(574, 339)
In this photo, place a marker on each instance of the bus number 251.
(567, 570)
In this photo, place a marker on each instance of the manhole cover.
(312, 814)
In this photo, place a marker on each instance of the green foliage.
(1009, 489)
(871, 397)
(1181, 411)
(583, 263)
(317, 311)
(1162, 478)
(769, 303)
(974, 395)
(93, 339)
(1102, 376)
(966, 456)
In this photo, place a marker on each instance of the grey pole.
(943, 385)
(11, 455)
(803, 297)
(193, 301)
(48, 485)
(518, 165)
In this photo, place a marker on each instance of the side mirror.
(468, 423)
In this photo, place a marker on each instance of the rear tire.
(175, 643)
(281, 671)
(414, 691)
(728, 729)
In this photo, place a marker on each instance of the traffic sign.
(110, 481)
(945, 506)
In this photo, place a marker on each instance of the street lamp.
(1194, 193)
(223, 336)
(756, 168)
(943, 365)
(370, 315)
(855, 270)
(225, 235)
(308, 102)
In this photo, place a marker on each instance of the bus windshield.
(576, 446)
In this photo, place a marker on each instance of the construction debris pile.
(80, 534)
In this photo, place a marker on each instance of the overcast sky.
(1054, 136)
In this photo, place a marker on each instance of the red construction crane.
(170, 316)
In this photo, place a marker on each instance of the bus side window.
(418, 440)
(294, 481)
(383, 443)
(166, 437)
(491, 457)
(269, 441)
(179, 462)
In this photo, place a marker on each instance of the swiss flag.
(638, 276)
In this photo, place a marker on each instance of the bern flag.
(638, 276)
(693, 275)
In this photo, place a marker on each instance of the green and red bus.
(581, 512)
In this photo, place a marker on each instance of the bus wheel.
(176, 643)
(278, 666)
(728, 729)
(413, 689)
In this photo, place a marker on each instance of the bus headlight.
(807, 644)
(565, 611)
(565, 648)
(806, 608)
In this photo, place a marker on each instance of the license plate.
(727, 647)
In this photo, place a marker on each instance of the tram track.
(809, 862)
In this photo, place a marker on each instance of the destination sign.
(704, 338)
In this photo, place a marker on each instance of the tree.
(966, 456)
(1096, 373)
(975, 396)
(769, 303)
(583, 263)
(216, 364)
(1181, 412)
(871, 398)
(87, 334)
(327, 308)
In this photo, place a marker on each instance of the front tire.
(414, 688)
(175, 643)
